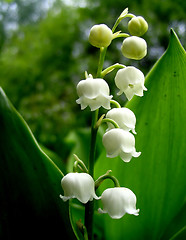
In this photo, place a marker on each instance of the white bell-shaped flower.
(93, 93)
(134, 48)
(78, 185)
(118, 201)
(119, 142)
(130, 81)
(124, 117)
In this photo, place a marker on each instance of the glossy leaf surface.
(158, 176)
(30, 206)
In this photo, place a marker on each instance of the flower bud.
(137, 26)
(100, 36)
(124, 117)
(118, 201)
(78, 185)
(130, 81)
(119, 142)
(134, 48)
(93, 93)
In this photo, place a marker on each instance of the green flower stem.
(117, 105)
(83, 229)
(123, 35)
(111, 68)
(116, 24)
(121, 17)
(107, 176)
(79, 163)
(130, 15)
(101, 61)
(93, 143)
(89, 207)
(110, 121)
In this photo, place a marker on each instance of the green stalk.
(101, 61)
(107, 175)
(89, 207)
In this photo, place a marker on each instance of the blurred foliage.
(45, 51)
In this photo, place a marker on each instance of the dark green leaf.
(30, 206)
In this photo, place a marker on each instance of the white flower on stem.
(119, 142)
(134, 48)
(78, 185)
(130, 81)
(93, 93)
(118, 201)
(124, 117)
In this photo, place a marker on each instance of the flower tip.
(96, 197)
(101, 211)
(63, 198)
(120, 92)
(136, 154)
(133, 131)
(137, 212)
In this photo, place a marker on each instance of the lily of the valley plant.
(119, 138)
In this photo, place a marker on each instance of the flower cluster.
(118, 139)
(116, 201)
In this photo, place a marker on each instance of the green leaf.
(158, 176)
(30, 206)
(177, 226)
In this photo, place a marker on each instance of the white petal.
(81, 101)
(136, 154)
(129, 93)
(133, 131)
(113, 154)
(105, 101)
(124, 117)
(128, 142)
(78, 185)
(126, 157)
(101, 211)
(120, 92)
(64, 198)
(138, 90)
(112, 141)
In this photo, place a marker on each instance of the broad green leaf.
(55, 158)
(158, 176)
(30, 206)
